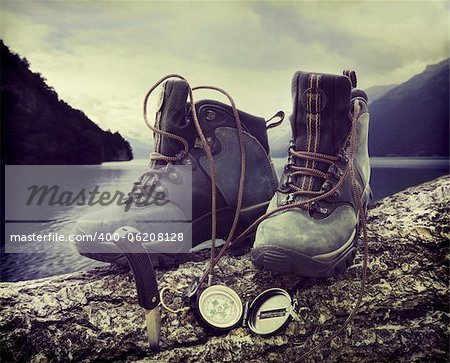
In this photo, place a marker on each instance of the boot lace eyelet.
(290, 198)
(316, 207)
(210, 115)
(173, 175)
(343, 156)
(181, 155)
(327, 186)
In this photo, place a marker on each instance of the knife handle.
(141, 265)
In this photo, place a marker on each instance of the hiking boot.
(315, 231)
(218, 124)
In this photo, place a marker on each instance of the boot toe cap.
(295, 230)
(94, 231)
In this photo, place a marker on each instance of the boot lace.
(151, 174)
(349, 170)
(308, 171)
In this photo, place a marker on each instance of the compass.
(220, 307)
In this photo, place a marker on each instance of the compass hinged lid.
(269, 311)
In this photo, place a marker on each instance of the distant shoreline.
(397, 162)
(376, 162)
(409, 162)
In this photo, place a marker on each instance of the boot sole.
(106, 251)
(275, 258)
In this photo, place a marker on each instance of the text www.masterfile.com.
(100, 236)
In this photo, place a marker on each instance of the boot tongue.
(320, 119)
(171, 116)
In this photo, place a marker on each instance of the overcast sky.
(101, 57)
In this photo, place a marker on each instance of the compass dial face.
(220, 306)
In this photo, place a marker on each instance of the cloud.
(371, 36)
(102, 57)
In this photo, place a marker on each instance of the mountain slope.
(412, 119)
(38, 128)
(375, 92)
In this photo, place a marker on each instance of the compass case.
(219, 308)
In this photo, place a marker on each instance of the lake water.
(389, 175)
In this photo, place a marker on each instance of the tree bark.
(404, 317)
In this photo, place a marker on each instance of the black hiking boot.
(219, 127)
(319, 237)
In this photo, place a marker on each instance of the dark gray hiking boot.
(219, 127)
(319, 238)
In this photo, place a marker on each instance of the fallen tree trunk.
(93, 315)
